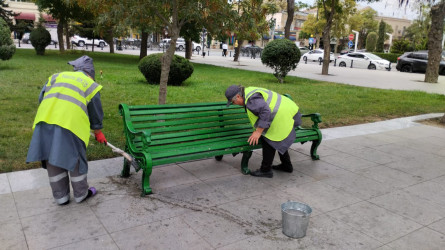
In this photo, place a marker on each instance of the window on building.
(21, 1)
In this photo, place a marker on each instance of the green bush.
(371, 41)
(40, 38)
(180, 69)
(392, 57)
(282, 55)
(401, 46)
(7, 47)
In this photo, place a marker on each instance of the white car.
(317, 55)
(180, 43)
(81, 41)
(363, 60)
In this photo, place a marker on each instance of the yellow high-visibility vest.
(67, 95)
(282, 111)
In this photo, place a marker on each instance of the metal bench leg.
(219, 157)
(146, 189)
(245, 162)
(125, 173)
(314, 149)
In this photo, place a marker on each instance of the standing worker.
(274, 118)
(69, 107)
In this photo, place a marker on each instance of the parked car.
(25, 38)
(346, 51)
(180, 43)
(82, 41)
(303, 50)
(416, 62)
(317, 55)
(363, 60)
(197, 46)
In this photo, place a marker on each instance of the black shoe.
(65, 203)
(283, 168)
(259, 173)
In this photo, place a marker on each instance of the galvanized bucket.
(295, 218)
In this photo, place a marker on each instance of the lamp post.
(356, 40)
(204, 34)
(390, 42)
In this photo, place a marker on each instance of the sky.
(389, 8)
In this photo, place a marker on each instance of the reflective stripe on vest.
(282, 112)
(65, 101)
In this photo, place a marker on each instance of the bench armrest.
(315, 117)
(130, 131)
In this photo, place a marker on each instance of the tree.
(6, 14)
(249, 21)
(290, 17)
(7, 47)
(40, 38)
(370, 24)
(381, 37)
(371, 41)
(282, 56)
(417, 32)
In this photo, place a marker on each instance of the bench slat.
(142, 118)
(221, 119)
(177, 110)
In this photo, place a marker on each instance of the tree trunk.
(317, 44)
(435, 36)
(237, 51)
(92, 46)
(290, 17)
(188, 49)
(109, 40)
(60, 36)
(166, 61)
(67, 35)
(327, 39)
(144, 39)
(442, 120)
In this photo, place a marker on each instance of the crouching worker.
(274, 118)
(69, 107)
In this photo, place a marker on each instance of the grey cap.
(85, 64)
(231, 92)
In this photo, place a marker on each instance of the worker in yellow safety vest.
(274, 118)
(70, 107)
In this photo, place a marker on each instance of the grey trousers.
(59, 182)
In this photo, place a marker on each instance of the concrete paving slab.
(61, 228)
(8, 210)
(170, 176)
(423, 238)
(4, 184)
(359, 186)
(321, 197)
(170, 233)
(323, 232)
(26, 180)
(12, 237)
(349, 162)
(429, 190)
(411, 206)
(319, 170)
(375, 221)
(290, 180)
(438, 226)
(420, 166)
(208, 169)
(39, 201)
(394, 178)
(134, 211)
(103, 242)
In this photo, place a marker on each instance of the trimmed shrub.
(401, 46)
(392, 57)
(7, 47)
(282, 55)
(40, 38)
(180, 69)
(371, 41)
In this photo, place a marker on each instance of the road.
(312, 70)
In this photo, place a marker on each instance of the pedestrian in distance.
(274, 118)
(70, 107)
(224, 48)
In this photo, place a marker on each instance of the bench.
(163, 134)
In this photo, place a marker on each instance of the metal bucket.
(295, 218)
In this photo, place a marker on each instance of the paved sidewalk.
(377, 186)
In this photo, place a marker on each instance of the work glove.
(100, 137)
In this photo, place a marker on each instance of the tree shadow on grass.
(8, 67)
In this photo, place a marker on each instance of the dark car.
(416, 62)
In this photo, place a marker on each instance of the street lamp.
(356, 40)
(390, 42)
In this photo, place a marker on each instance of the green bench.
(163, 134)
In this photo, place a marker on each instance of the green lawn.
(22, 77)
